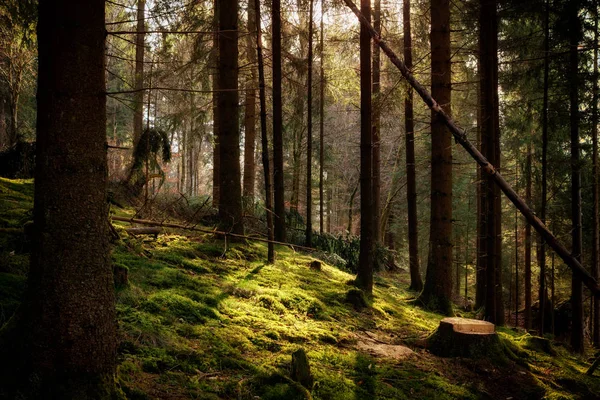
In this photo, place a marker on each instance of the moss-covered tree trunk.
(69, 313)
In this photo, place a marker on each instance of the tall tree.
(250, 112)
(527, 316)
(68, 316)
(437, 291)
(278, 187)
(577, 341)
(230, 206)
(416, 283)
(595, 190)
(264, 136)
(322, 125)
(376, 109)
(364, 278)
(140, 46)
(215, 108)
(309, 136)
(490, 135)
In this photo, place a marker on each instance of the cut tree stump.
(462, 337)
(301, 369)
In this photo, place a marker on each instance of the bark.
(279, 222)
(527, 316)
(309, 136)
(364, 278)
(215, 100)
(596, 193)
(376, 133)
(416, 283)
(230, 206)
(321, 128)
(138, 115)
(461, 138)
(250, 114)
(577, 341)
(69, 320)
(437, 291)
(480, 288)
(264, 136)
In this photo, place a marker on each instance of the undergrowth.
(201, 321)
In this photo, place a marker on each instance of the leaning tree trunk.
(230, 206)
(69, 312)
(364, 278)
(437, 291)
(416, 283)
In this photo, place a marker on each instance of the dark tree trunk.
(542, 248)
(309, 136)
(437, 291)
(322, 127)
(416, 283)
(264, 136)
(480, 287)
(277, 123)
(596, 194)
(490, 135)
(215, 103)
(364, 278)
(376, 109)
(140, 46)
(577, 342)
(527, 316)
(69, 312)
(250, 114)
(230, 206)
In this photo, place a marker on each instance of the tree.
(215, 103)
(309, 136)
(437, 291)
(595, 189)
(230, 206)
(138, 105)
(278, 187)
(322, 127)
(577, 342)
(68, 322)
(364, 278)
(416, 283)
(250, 113)
(376, 121)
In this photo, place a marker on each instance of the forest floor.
(199, 322)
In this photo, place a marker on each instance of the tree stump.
(301, 369)
(462, 337)
(120, 275)
(315, 265)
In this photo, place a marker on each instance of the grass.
(200, 322)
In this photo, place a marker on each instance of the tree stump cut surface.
(461, 337)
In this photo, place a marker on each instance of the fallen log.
(461, 138)
(144, 230)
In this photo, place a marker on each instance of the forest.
(299, 199)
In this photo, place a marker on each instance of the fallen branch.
(461, 137)
(209, 231)
(144, 231)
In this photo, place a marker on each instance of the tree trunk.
(264, 136)
(321, 127)
(596, 193)
(69, 312)
(250, 115)
(309, 136)
(277, 123)
(437, 291)
(416, 283)
(528, 318)
(376, 133)
(230, 206)
(364, 278)
(140, 46)
(215, 103)
(577, 341)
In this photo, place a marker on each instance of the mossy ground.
(200, 322)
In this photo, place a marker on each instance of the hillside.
(201, 319)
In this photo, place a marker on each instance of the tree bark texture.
(596, 193)
(69, 311)
(322, 128)
(364, 278)
(437, 291)
(376, 122)
(278, 187)
(140, 46)
(309, 135)
(527, 316)
(416, 283)
(215, 100)
(250, 113)
(230, 206)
